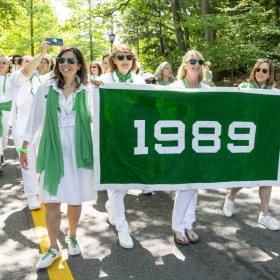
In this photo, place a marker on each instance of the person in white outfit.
(122, 64)
(163, 74)
(15, 60)
(5, 106)
(261, 77)
(63, 108)
(190, 75)
(24, 86)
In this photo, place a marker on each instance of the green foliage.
(16, 38)
(243, 30)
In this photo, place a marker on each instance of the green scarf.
(50, 156)
(254, 84)
(124, 78)
(5, 106)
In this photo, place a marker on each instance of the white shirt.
(24, 91)
(181, 84)
(7, 95)
(112, 77)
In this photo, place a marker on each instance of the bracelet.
(37, 59)
(22, 149)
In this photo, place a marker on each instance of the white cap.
(147, 75)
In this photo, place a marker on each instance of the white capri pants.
(6, 127)
(184, 210)
(117, 205)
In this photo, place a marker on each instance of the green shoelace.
(73, 241)
(48, 253)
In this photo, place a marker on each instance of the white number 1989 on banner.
(179, 136)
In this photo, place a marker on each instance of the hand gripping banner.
(172, 139)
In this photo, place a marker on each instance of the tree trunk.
(31, 28)
(161, 41)
(175, 5)
(205, 9)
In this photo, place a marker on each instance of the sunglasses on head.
(93, 66)
(150, 82)
(194, 61)
(265, 71)
(69, 60)
(123, 56)
(3, 62)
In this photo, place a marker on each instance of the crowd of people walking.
(48, 103)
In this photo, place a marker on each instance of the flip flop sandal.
(192, 236)
(181, 242)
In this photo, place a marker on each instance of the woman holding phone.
(24, 86)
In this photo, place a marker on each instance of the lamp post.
(112, 39)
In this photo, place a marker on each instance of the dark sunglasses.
(69, 60)
(3, 62)
(265, 71)
(123, 56)
(151, 82)
(194, 61)
(92, 66)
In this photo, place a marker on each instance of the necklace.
(70, 85)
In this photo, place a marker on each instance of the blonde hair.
(270, 80)
(192, 54)
(125, 49)
(158, 72)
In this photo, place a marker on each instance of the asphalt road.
(229, 248)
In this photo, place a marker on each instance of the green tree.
(26, 32)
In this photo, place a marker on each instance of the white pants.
(184, 210)
(117, 205)
(6, 127)
(29, 177)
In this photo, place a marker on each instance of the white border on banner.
(167, 187)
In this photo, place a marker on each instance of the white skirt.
(76, 186)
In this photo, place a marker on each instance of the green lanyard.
(73, 108)
(4, 84)
(31, 91)
(187, 85)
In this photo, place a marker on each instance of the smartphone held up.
(55, 41)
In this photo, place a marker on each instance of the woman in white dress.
(190, 75)
(5, 106)
(122, 65)
(63, 107)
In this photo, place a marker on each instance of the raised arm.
(29, 68)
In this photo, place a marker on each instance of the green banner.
(176, 139)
